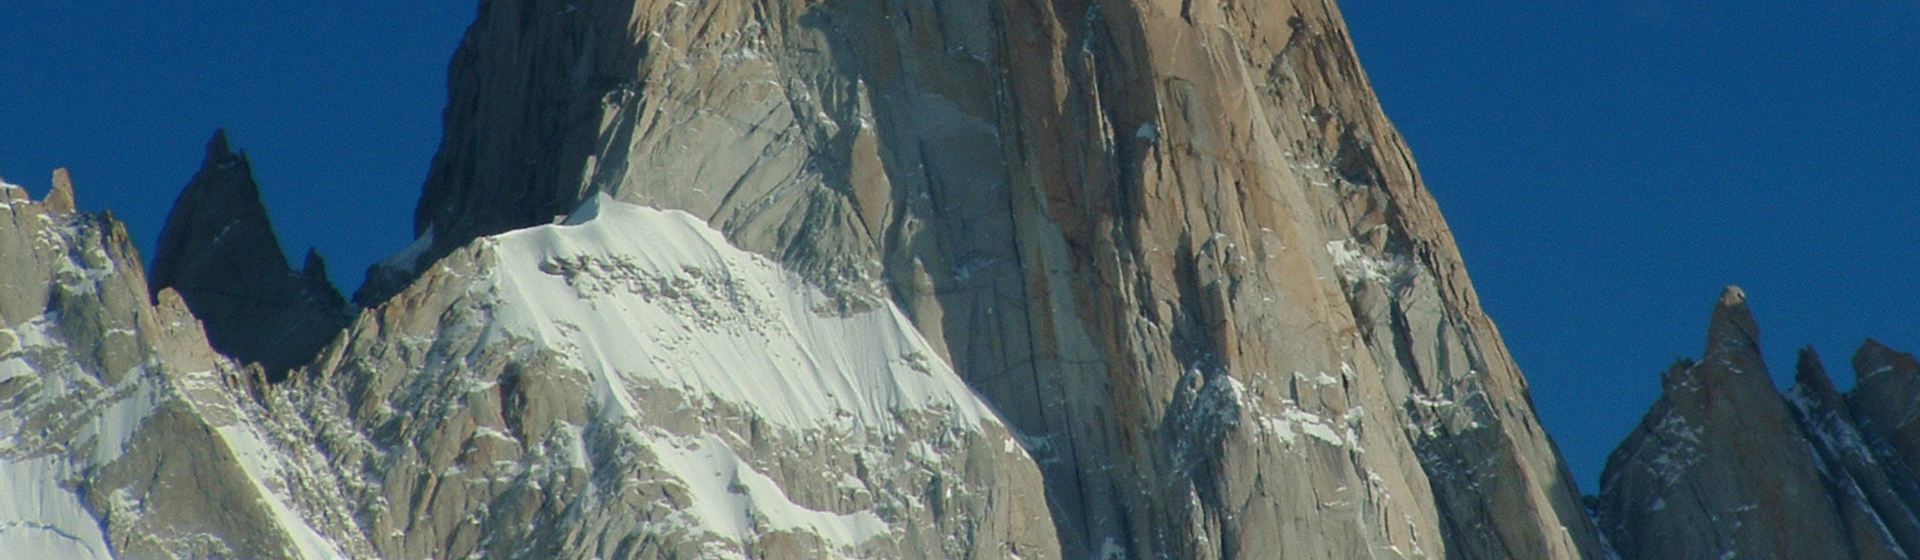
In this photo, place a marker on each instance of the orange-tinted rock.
(1178, 246)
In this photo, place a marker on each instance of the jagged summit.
(1810, 380)
(1884, 400)
(60, 198)
(1725, 466)
(1875, 359)
(1732, 296)
(219, 251)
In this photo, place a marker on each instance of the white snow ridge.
(635, 293)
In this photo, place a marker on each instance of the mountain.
(499, 408)
(902, 279)
(1178, 248)
(1726, 466)
(627, 385)
(125, 433)
(218, 251)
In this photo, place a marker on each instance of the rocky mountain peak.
(219, 251)
(1812, 384)
(1731, 363)
(1884, 397)
(1732, 330)
(901, 279)
(60, 199)
(1874, 359)
(1182, 251)
(1724, 465)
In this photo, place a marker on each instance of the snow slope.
(639, 294)
(627, 384)
(40, 519)
(644, 299)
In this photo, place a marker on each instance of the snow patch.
(7, 197)
(1355, 266)
(734, 501)
(113, 429)
(1149, 132)
(1292, 421)
(262, 465)
(14, 367)
(41, 519)
(1679, 449)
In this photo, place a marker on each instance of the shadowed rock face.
(1176, 245)
(1725, 466)
(219, 252)
(1885, 399)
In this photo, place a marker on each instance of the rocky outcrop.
(1725, 466)
(122, 432)
(1178, 247)
(218, 251)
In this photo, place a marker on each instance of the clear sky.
(337, 103)
(1606, 166)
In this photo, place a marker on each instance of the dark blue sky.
(1606, 166)
(336, 103)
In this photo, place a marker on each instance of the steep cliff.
(1176, 245)
(218, 251)
(1725, 466)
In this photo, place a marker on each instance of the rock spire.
(1725, 466)
(218, 250)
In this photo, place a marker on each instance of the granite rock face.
(218, 251)
(1176, 245)
(1725, 466)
